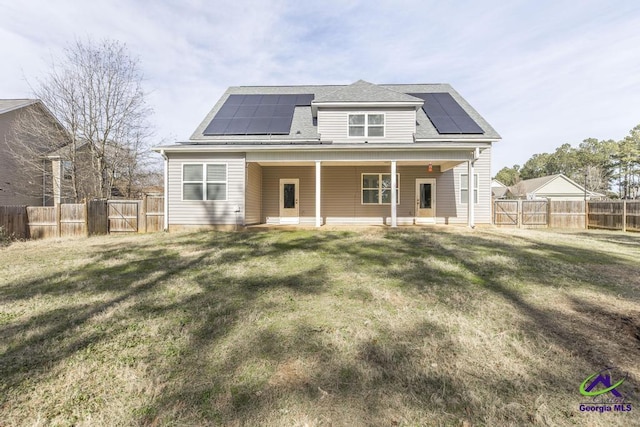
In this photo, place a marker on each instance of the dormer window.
(366, 125)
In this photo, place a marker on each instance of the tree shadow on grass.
(127, 279)
(256, 376)
(59, 333)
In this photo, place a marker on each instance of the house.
(553, 187)
(498, 189)
(316, 155)
(25, 174)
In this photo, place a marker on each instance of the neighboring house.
(498, 189)
(25, 175)
(554, 187)
(331, 155)
(62, 165)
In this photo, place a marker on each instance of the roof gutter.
(204, 148)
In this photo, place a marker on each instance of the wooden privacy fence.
(615, 215)
(535, 213)
(83, 219)
(611, 215)
(123, 216)
(505, 212)
(56, 221)
(13, 221)
(539, 213)
(567, 214)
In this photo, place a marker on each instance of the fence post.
(58, 220)
(86, 216)
(519, 214)
(624, 215)
(548, 212)
(586, 214)
(143, 216)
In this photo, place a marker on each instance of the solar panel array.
(257, 114)
(447, 115)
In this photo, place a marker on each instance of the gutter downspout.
(165, 224)
(471, 220)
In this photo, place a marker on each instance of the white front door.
(289, 192)
(425, 200)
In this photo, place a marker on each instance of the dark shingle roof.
(362, 91)
(304, 128)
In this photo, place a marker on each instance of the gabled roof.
(304, 128)
(499, 192)
(362, 91)
(528, 186)
(535, 185)
(7, 105)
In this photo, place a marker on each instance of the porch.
(356, 193)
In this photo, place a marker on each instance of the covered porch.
(337, 192)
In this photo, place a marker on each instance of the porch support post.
(394, 183)
(318, 194)
(470, 193)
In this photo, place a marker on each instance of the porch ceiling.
(444, 165)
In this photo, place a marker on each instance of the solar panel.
(257, 114)
(234, 100)
(227, 111)
(287, 99)
(237, 126)
(252, 100)
(304, 100)
(265, 111)
(257, 125)
(283, 110)
(217, 126)
(447, 115)
(245, 111)
(280, 125)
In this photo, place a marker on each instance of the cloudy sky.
(542, 72)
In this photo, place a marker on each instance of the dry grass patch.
(440, 326)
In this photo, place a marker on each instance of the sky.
(542, 72)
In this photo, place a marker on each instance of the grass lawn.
(432, 326)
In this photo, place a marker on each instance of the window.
(376, 189)
(204, 182)
(67, 169)
(464, 188)
(366, 124)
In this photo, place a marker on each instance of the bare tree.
(95, 91)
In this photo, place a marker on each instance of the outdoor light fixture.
(430, 168)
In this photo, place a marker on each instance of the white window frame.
(379, 188)
(206, 181)
(366, 125)
(465, 200)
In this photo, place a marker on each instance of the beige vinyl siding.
(341, 193)
(253, 197)
(271, 176)
(199, 212)
(482, 210)
(400, 125)
(560, 189)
